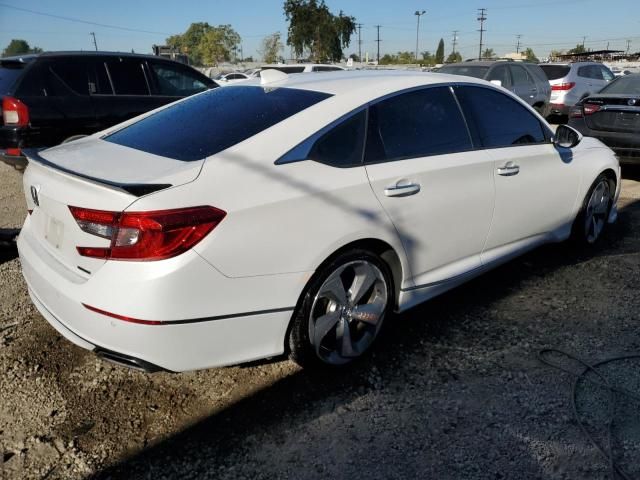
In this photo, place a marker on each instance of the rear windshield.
(478, 72)
(206, 124)
(554, 72)
(9, 73)
(629, 85)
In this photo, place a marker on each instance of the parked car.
(232, 77)
(302, 67)
(613, 117)
(524, 79)
(55, 97)
(571, 82)
(297, 224)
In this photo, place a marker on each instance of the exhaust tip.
(126, 361)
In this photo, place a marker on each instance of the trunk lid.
(92, 174)
(617, 113)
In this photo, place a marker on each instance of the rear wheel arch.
(372, 245)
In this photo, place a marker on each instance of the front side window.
(176, 81)
(498, 120)
(206, 124)
(416, 124)
(127, 76)
(606, 73)
(500, 73)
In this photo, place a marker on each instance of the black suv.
(54, 97)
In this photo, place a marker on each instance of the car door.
(128, 93)
(523, 85)
(536, 187)
(437, 190)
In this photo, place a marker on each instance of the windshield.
(554, 72)
(628, 85)
(470, 71)
(211, 122)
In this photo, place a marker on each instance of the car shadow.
(423, 341)
(8, 247)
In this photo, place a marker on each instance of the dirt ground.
(454, 389)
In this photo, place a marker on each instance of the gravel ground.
(453, 390)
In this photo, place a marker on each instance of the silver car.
(524, 79)
(571, 82)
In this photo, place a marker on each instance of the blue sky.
(543, 24)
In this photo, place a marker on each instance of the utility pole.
(518, 44)
(418, 14)
(378, 42)
(482, 16)
(583, 40)
(95, 44)
(628, 46)
(360, 42)
(455, 40)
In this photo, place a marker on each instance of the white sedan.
(293, 215)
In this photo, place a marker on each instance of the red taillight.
(122, 317)
(146, 236)
(14, 112)
(590, 108)
(16, 152)
(563, 86)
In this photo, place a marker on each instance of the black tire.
(581, 233)
(302, 350)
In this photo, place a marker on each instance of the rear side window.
(173, 80)
(206, 124)
(74, 73)
(554, 72)
(416, 124)
(342, 145)
(590, 71)
(497, 120)
(127, 76)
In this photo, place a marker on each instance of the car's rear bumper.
(558, 109)
(181, 341)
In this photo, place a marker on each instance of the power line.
(482, 16)
(378, 42)
(78, 20)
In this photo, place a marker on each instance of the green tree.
(354, 57)
(204, 43)
(488, 53)
(19, 47)
(428, 58)
(271, 48)
(531, 56)
(440, 52)
(217, 44)
(313, 28)
(579, 49)
(454, 57)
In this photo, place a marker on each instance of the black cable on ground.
(607, 453)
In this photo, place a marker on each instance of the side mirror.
(566, 136)
(497, 82)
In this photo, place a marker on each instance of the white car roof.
(365, 83)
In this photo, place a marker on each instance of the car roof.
(82, 53)
(568, 64)
(365, 82)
